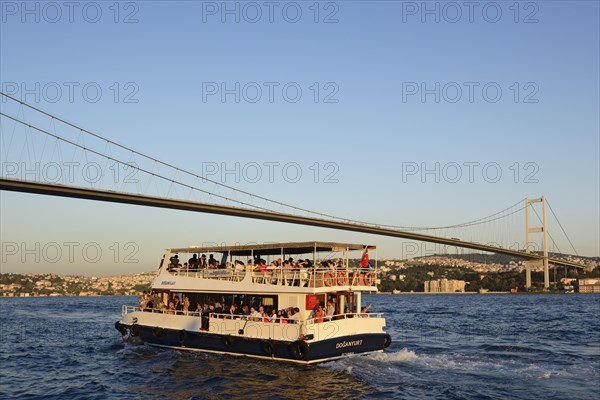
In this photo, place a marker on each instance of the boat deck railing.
(129, 309)
(305, 277)
(310, 321)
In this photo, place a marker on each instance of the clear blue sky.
(372, 63)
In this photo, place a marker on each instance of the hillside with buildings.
(449, 273)
(57, 285)
(434, 274)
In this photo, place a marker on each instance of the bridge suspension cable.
(561, 227)
(122, 162)
(478, 221)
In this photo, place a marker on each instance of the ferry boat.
(296, 302)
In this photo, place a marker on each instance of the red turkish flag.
(364, 262)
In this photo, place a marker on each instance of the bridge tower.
(544, 230)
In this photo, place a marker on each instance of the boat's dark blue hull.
(298, 351)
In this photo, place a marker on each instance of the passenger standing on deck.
(193, 262)
(364, 311)
(273, 316)
(173, 262)
(282, 317)
(262, 313)
(329, 310)
(232, 311)
(212, 260)
(255, 315)
(295, 315)
(186, 305)
(319, 314)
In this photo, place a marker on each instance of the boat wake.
(403, 355)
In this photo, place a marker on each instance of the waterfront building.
(444, 286)
(589, 285)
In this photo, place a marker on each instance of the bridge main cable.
(252, 195)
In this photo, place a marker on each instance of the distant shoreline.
(472, 293)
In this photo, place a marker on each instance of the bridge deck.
(142, 200)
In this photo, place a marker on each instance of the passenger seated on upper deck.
(261, 267)
(174, 261)
(287, 266)
(297, 266)
(239, 266)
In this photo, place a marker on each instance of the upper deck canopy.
(274, 248)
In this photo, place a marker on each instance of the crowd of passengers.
(258, 264)
(152, 302)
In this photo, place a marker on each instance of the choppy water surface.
(445, 347)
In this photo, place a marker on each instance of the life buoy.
(157, 332)
(228, 342)
(328, 279)
(387, 341)
(342, 279)
(134, 330)
(369, 279)
(268, 348)
(299, 349)
(183, 336)
(356, 278)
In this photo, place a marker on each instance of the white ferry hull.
(299, 351)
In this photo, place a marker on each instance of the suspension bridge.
(40, 151)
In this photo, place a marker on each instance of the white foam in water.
(403, 355)
(347, 364)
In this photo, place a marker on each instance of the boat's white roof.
(274, 248)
